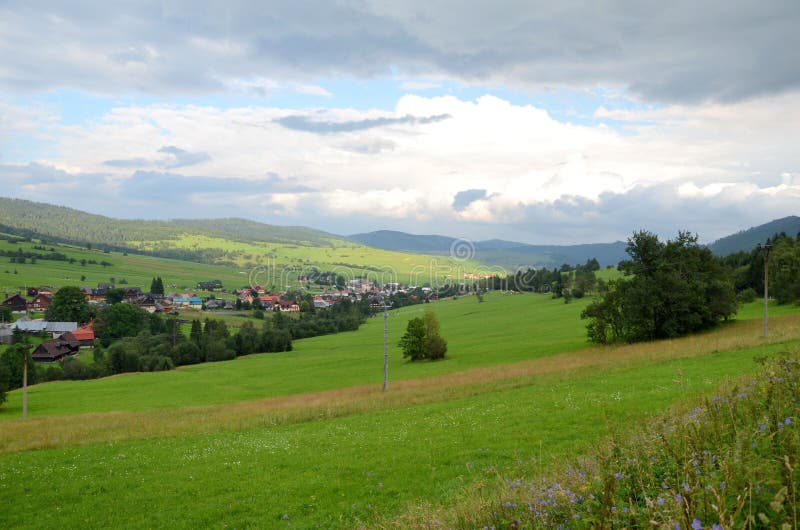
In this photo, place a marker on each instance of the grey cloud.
(34, 174)
(175, 186)
(677, 51)
(130, 162)
(300, 122)
(466, 197)
(175, 158)
(182, 158)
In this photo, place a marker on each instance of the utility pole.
(24, 385)
(766, 248)
(385, 346)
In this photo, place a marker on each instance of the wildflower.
(762, 428)
(696, 524)
(715, 526)
(788, 421)
(660, 501)
(678, 498)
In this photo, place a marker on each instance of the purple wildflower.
(788, 421)
(697, 525)
(660, 501)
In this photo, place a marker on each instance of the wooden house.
(56, 349)
(16, 302)
(40, 302)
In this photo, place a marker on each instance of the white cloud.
(402, 166)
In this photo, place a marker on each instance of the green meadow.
(306, 438)
(273, 264)
(349, 259)
(137, 270)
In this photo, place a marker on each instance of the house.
(40, 302)
(288, 306)
(84, 335)
(56, 349)
(147, 302)
(191, 302)
(215, 304)
(321, 304)
(210, 286)
(17, 303)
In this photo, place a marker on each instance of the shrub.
(747, 295)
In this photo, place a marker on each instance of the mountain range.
(34, 219)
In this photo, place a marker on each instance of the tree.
(115, 296)
(11, 360)
(670, 289)
(68, 305)
(157, 286)
(5, 375)
(118, 321)
(5, 313)
(422, 339)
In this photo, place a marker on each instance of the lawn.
(306, 439)
(350, 470)
(503, 329)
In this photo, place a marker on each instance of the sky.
(541, 122)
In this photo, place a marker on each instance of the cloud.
(464, 198)
(668, 53)
(131, 162)
(152, 184)
(301, 122)
(175, 158)
(182, 158)
(492, 167)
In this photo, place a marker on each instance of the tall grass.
(81, 429)
(729, 462)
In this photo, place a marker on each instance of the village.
(65, 339)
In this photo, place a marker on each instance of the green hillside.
(746, 240)
(235, 243)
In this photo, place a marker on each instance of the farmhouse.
(40, 302)
(84, 335)
(56, 349)
(210, 285)
(17, 303)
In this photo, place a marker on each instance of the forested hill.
(507, 254)
(746, 240)
(27, 218)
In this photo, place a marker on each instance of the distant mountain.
(747, 239)
(401, 241)
(507, 254)
(27, 218)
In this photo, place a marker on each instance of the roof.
(12, 297)
(43, 325)
(51, 350)
(83, 334)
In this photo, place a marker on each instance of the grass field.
(349, 259)
(272, 264)
(137, 270)
(306, 439)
